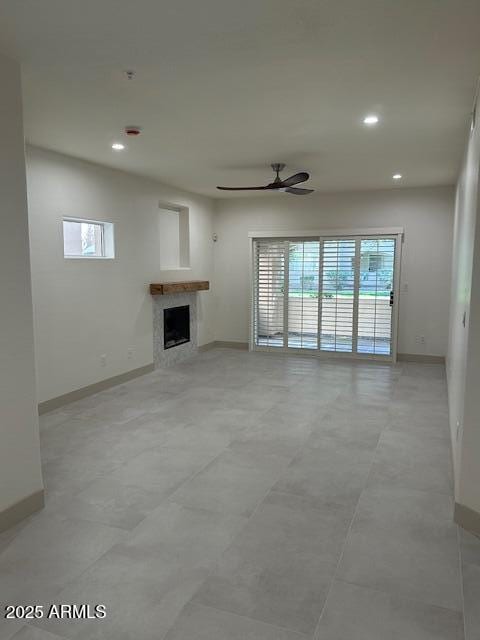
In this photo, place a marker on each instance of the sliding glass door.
(337, 295)
(269, 292)
(333, 295)
(303, 279)
(375, 295)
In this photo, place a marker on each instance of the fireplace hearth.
(176, 326)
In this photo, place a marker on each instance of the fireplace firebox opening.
(176, 326)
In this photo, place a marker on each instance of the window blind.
(377, 258)
(326, 294)
(303, 280)
(338, 280)
(269, 293)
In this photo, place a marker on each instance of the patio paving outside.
(374, 323)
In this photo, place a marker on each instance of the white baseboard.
(17, 512)
(84, 392)
(420, 357)
(467, 518)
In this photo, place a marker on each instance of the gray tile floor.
(255, 496)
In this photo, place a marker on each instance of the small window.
(87, 238)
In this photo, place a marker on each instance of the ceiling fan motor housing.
(133, 131)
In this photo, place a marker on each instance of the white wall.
(463, 361)
(425, 214)
(84, 309)
(20, 474)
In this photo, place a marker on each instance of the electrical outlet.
(130, 353)
(103, 360)
(422, 340)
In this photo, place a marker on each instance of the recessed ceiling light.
(370, 120)
(118, 146)
(397, 176)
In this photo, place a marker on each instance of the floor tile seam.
(342, 552)
(60, 509)
(234, 539)
(416, 432)
(74, 518)
(51, 599)
(257, 505)
(44, 430)
(70, 582)
(105, 524)
(72, 453)
(166, 502)
(74, 493)
(407, 488)
(450, 494)
(118, 466)
(283, 468)
(277, 627)
(335, 578)
(71, 494)
(166, 498)
(343, 448)
(320, 509)
(440, 437)
(375, 458)
(31, 624)
(170, 493)
(212, 568)
(301, 447)
(422, 492)
(77, 577)
(398, 595)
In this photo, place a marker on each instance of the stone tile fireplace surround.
(163, 357)
(175, 294)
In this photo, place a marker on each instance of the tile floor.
(255, 496)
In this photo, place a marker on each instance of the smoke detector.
(133, 131)
(129, 74)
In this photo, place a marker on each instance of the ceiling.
(224, 88)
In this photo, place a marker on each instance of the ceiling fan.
(278, 184)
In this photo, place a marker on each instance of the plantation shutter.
(338, 284)
(377, 259)
(269, 293)
(303, 280)
(331, 294)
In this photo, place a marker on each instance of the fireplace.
(176, 326)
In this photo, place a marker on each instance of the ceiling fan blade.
(296, 179)
(243, 188)
(299, 192)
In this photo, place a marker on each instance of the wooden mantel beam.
(162, 288)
